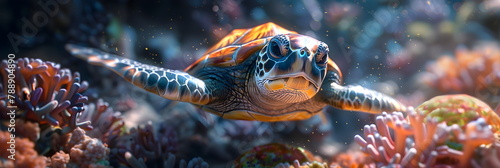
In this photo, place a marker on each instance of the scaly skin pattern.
(170, 84)
(356, 98)
(266, 73)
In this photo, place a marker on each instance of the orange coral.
(428, 141)
(59, 160)
(351, 159)
(25, 154)
(30, 130)
(475, 72)
(87, 152)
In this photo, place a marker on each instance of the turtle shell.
(238, 45)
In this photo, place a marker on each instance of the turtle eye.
(278, 47)
(275, 49)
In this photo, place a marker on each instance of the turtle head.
(290, 68)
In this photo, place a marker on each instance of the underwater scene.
(240, 83)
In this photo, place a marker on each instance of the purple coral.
(146, 146)
(107, 124)
(45, 93)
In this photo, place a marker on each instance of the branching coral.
(23, 152)
(422, 139)
(52, 111)
(107, 124)
(145, 145)
(45, 93)
(474, 72)
(85, 151)
(428, 141)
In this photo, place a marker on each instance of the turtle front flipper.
(170, 84)
(357, 98)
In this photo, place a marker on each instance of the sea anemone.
(45, 93)
(424, 139)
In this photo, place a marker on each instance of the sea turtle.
(265, 73)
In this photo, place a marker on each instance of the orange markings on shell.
(247, 40)
(249, 49)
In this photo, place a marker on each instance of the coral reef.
(59, 160)
(489, 156)
(85, 151)
(23, 151)
(460, 110)
(107, 124)
(422, 139)
(144, 145)
(351, 158)
(271, 155)
(28, 129)
(473, 72)
(53, 120)
(46, 94)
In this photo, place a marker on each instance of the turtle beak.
(297, 83)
